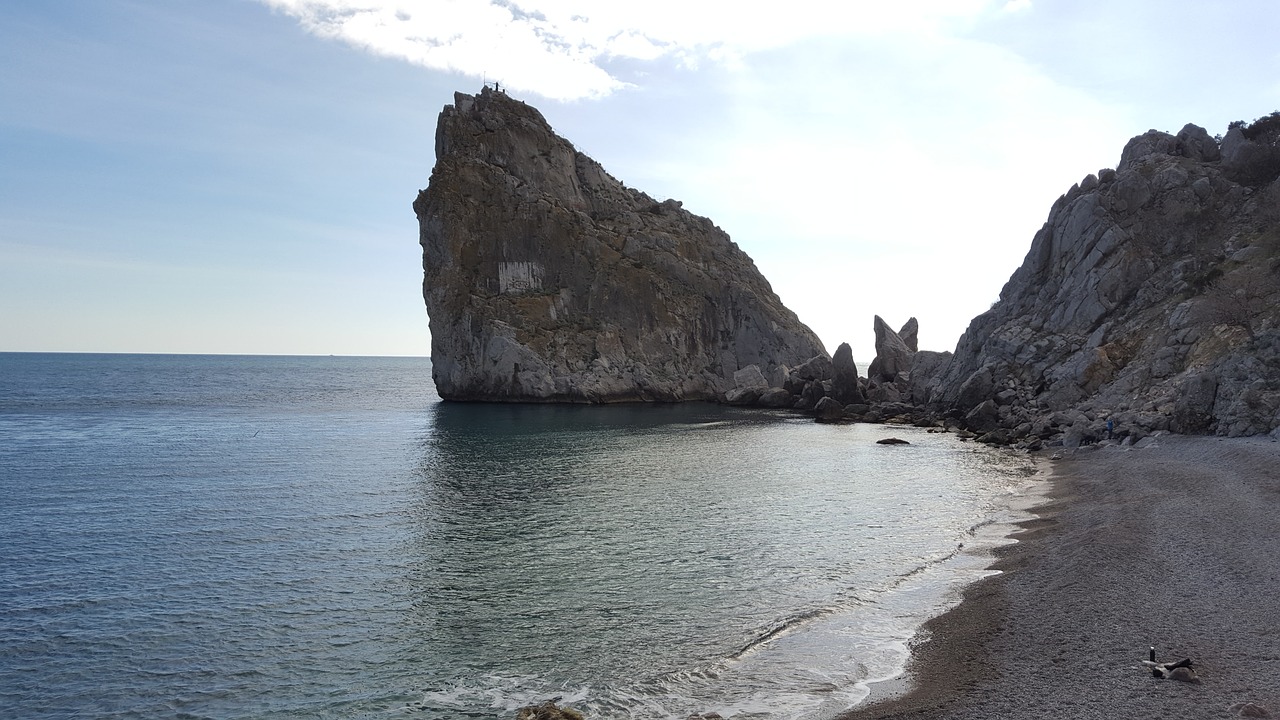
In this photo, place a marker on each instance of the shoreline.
(1171, 545)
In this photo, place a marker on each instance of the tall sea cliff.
(546, 279)
(1150, 297)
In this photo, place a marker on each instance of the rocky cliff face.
(1151, 296)
(546, 279)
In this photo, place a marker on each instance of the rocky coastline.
(1148, 302)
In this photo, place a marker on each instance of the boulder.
(750, 377)
(885, 392)
(812, 393)
(818, 367)
(1194, 142)
(1153, 142)
(1193, 407)
(983, 418)
(828, 409)
(776, 398)
(743, 396)
(844, 376)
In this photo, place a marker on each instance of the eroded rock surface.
(1151, 296)
(546, 279)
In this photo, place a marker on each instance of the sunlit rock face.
(1151, 296)
(546, 279)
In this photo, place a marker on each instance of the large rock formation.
(893, 352)
(1151, 296)
(548, 280)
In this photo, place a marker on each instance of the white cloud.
(905, 178)
(556, 48)
(1017, 6)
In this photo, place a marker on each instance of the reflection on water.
(320, 537)
(632, 554)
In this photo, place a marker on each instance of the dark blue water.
(226, 537)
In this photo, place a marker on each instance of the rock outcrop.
(844, 376)
(893, 353)
(1151, 296)
(546, 279)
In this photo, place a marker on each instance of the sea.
(216, 536)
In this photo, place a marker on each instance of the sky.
(236, 176)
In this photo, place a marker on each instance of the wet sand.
(1175, 545)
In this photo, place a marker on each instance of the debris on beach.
(1180, 670)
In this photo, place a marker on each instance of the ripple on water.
(285, 537)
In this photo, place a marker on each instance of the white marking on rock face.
(519, 277)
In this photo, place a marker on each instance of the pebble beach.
(1173, 544)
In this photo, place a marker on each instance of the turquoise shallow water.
(213, 536)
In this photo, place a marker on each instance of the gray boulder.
(776, 398)
(743, 396)
(1152, 142)
(1193, 407)
(817, 367)
(984, 417)
(1194, 142)
(750, 377)
(844, 376)
(828, 409)
(813, 391)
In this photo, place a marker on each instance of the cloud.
(560, 48)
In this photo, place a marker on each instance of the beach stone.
(828, 409)
(776, 398)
